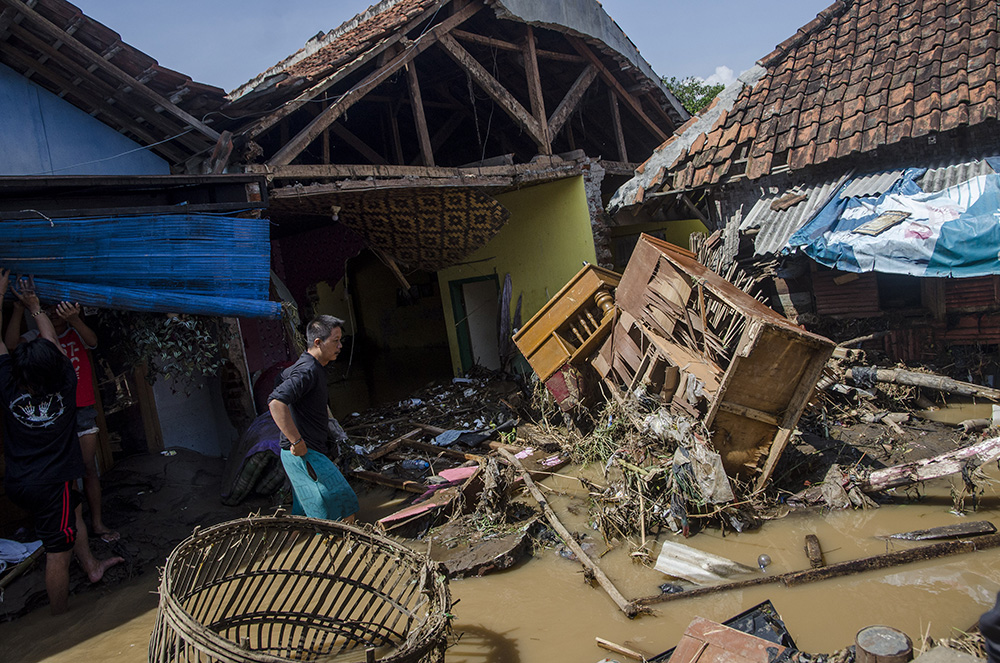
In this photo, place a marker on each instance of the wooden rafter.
(616, 122)
(535, 89)
(49, 29)
(101, 88)
(100, 106)
(383, 50)
(623, 94)
(419, 119)
(502, 45)
(494, 89)
(360, 146)
(572, 99)
(294, 147)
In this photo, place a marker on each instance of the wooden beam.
(494, 89)
(419, 119)
(51, 30)
(571, 100)
(320, 171)
(535, 90)
(103, 93)
(502, 45)
(445, 131)
(306, 96)
(397, 143)
(623, 94)
(616, 123)
(360, 146)
(390, 262)
(294, 147)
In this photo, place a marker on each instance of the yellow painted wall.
(545, 243)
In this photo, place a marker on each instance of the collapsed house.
(860, 147)
(424, 150)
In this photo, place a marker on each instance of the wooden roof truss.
(453, 67)
(52, 44)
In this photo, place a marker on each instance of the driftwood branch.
(628, 607)
(931, 468)
(930, 381)
(883, 561)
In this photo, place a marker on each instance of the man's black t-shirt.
(304, 391)
(40, 441)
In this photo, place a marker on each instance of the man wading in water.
(299, 408)
(41, 450)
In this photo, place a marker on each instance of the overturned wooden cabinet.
(571, 326)
(707, 348)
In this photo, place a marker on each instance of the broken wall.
(542, 246)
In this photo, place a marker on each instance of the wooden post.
(426, 151)
(147, 405)
(882, 644)
(535, 90)
(814, 552)
(616, 120)
(629, 608)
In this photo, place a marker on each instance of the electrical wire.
(116, 156)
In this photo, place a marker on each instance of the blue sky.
(227, 42)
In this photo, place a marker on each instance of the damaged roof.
(56, 46)
(381, 25)
(862, 75)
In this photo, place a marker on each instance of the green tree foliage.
(693, 93)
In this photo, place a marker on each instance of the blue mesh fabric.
(185, 263)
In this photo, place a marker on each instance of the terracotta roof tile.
(900, 130)
(862, 75)
(954, 117)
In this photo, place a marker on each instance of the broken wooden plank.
(942, 465)
(926, 380)
(391, 482)
(705, 641)
(977, 528)
(814, 552)
(622, 649)
(876, 562)
(626, 606)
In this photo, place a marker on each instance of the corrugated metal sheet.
(777, 226)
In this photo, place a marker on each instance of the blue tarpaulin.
(954, 232)
(184, 263)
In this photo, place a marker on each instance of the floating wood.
(391, 482)
(883, 561)
(621, 649)
(706, 641)
(22, 566)
(626, 606)
(977, 528)
(930, 381)
(931, 468)
(814, 552)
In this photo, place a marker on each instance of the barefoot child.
(42, 454)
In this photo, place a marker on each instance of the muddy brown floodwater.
(542, 611)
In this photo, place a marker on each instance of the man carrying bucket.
(299, 407)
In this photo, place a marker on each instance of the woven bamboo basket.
(288, 588)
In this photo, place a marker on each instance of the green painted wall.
(545, 242)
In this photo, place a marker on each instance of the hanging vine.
(183, 348)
